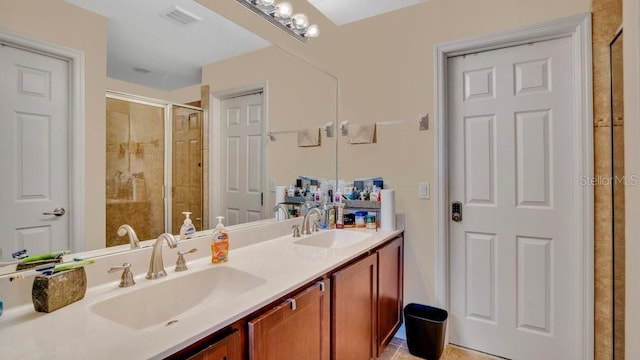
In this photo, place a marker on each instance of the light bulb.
(283, 10)
(299, 21)
(265, 2)
(312, 31)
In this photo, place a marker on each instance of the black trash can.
(426, 327)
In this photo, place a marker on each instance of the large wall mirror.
(295, 96)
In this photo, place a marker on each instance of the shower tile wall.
(607, 16)
(135, 169)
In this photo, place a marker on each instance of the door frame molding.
(215, 153)
(76, 129)
(578, 28)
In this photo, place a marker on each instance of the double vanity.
(335, 294)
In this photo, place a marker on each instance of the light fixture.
(299, 22)
(283, 11)
(281, 15)
(265, 2)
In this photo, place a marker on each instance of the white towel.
(309, 137)
(362, 134)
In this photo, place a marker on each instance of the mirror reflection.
(135, 159)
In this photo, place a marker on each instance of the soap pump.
(220, 243)
(187, 229)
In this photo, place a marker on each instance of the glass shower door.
(135, 169)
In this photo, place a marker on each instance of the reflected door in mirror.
(34, 96)
(242, 158)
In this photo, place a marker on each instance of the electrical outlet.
(423, 190)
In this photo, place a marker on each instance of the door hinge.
(261, 199)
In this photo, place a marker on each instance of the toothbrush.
(73, 265)
(48, 269)
(47, 256)
(35, 271)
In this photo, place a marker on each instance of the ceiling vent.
(179, 16)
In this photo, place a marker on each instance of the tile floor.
(397, 350)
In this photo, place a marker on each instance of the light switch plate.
(423, 190)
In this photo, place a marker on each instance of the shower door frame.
(168, 145)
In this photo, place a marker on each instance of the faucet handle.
(296, 230)
(181, 263)
(126, 279)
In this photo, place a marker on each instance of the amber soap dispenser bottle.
(220, 243)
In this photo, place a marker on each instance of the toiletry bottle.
(331, 224)
(340, 216)
(338, 198)
(324, 216)
(220, 243)
(187, 229)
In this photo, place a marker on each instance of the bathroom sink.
(334, 239)
(164, 302)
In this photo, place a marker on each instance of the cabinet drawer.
(228, 348)
(298, 328)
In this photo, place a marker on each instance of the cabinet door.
(295, 330)
(228, 348)
(390, 275)
(354, 292)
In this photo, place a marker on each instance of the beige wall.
(57, 22)
(299, 96)
(630, 16)
(386, 73)
(385, 68)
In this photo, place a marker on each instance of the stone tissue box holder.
(51, 292)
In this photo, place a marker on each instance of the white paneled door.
(34, 155)
(242, 158)
(514, 270)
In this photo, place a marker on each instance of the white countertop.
(74, 332)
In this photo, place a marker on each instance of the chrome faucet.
(133, 238)
(306, 230)
(156, 266)
(284, 209)
(126, 279)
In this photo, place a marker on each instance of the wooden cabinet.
(296, 329)
(353, 318)
(225, 344)
(352, 314)
(229, 348)
(390, 287)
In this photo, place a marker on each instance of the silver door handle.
(57, 212)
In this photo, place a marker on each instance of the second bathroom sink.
(334, 239)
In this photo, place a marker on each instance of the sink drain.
(171, 322)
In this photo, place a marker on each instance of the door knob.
(57, 212)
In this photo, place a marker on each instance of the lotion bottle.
(187, 229)
(220, 243)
